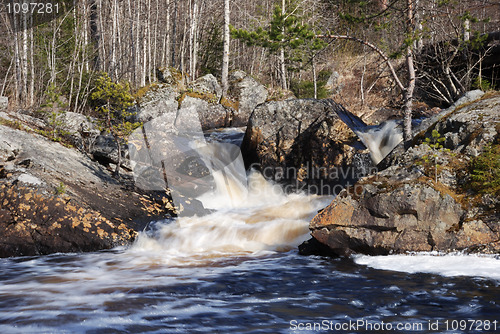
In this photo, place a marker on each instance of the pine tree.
(111, 101)
(286, 35)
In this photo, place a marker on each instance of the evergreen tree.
(285, 33)
(111, 101)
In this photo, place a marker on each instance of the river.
(237, 270)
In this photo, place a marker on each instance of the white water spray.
(258, 221)
(249, 216)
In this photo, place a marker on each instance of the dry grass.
(378, 86)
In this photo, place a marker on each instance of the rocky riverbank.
(57, 199)
(437, 195)
(57, 192)
(440, 195)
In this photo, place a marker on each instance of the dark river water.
(116, 292)
(237, 270)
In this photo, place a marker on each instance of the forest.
(381, 48)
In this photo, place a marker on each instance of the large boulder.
(105, 150)
(211, 115)
(34, 223)
(157, 100)
(81, 130)
(170, 76)
(206, 84)
(302, 143)
(248, 92)
(384, 214)
(472, 127)
(423, 199)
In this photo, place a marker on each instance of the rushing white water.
(255, 222)
(379, 139)
(446, 265)
(249, 215)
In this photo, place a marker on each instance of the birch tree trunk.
(112, 62)
(225, 54)
(284, 84)
(174, 32)
(155, 41)
(466, 30)
(94, 33)
(194, 40)
(18, 80)
(166, 36)
(31, 91)
(24, 60)
(410, 87)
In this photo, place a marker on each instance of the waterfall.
(247, 214)
(380, 140)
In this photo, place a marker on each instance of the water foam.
(449, 265)
(260, 221)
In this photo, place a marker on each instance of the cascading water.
(235, 269)
(264, 221)
(247, 216)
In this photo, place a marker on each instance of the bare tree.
(225, 57)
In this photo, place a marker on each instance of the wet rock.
(302, 143)
(248, 92)
(390, 216)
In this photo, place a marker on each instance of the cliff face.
(427, 198)
(301, 143)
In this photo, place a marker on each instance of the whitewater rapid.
(449, 265)
(260, 221)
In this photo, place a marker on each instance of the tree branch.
(373, 47)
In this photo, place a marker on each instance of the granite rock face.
(206, 84)
(248, 92)
(205, 95)
(421, 200)
(211, 115)
(56, 199)
(34, 223)
(301, 143)
(394, 214)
